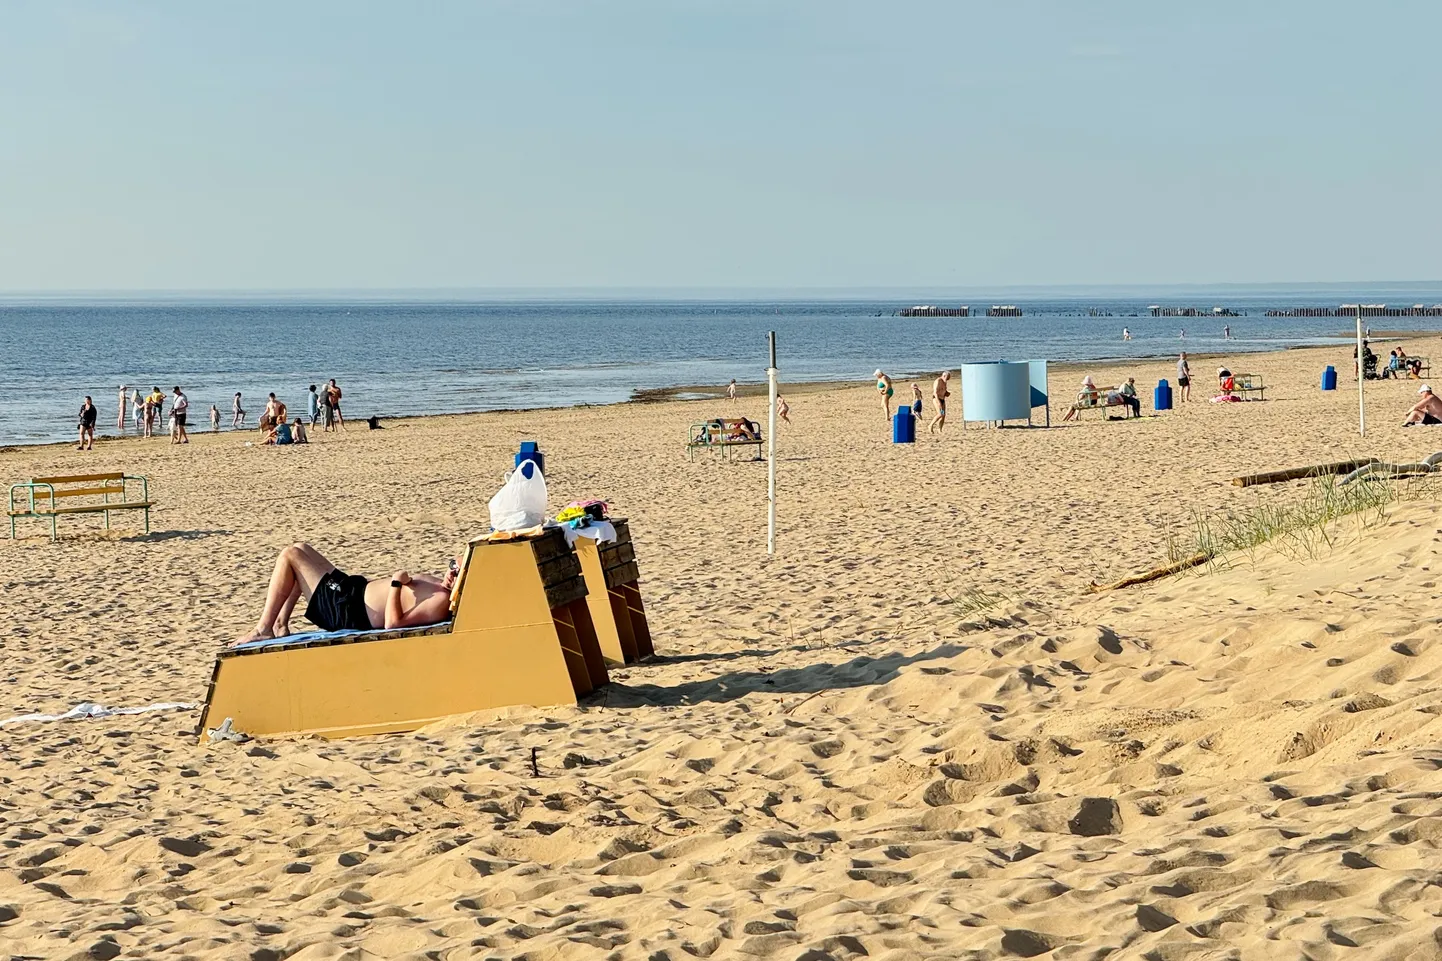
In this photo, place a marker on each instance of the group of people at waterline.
(146, 412)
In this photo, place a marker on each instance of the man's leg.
(298, 570)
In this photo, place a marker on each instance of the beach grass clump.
(1302, 528)
(971, 599)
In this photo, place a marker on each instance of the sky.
(710, 144)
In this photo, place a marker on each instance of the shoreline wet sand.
(912, 733)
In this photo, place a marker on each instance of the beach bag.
(521, 502)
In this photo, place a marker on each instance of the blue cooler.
(531, 453)
(1329, 377)
(903, 426)
(1162, 396)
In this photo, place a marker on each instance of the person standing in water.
(121, 406)
(214, 419)
(137, 407)
(1226, 331)
(884, 388)
(237, 413)
(333, 392)
(1126, 334)
(940, 391)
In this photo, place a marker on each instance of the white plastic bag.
(521, 503)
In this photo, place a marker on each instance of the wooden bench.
(1245, 384)
(40, 498)
(1096, 398)
(722, 435)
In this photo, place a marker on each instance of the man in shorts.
(178, 409)
(1184, 378)
(1427, 411)
(940, 391)
(337, 601)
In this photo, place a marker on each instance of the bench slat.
(78, 478)
(79, 492)
(83, 509)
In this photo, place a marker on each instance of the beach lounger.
(520, 633)
(614, 596)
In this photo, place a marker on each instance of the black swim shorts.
(339, 603)
(1428, 420)
(180, 418)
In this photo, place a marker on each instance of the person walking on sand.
(731, 392)
(312, 405)
(88, 413)
(214, 419)
(1184, 378)
(783, 409)
(940, 391)
(178, 410)
(237, 413)
(333, 392)
(884, 388)
(121, 406)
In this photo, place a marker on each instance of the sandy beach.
(913, 733)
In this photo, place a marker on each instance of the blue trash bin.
(1162, 396)
(903, 426)
(529, 452)
(1329, 377)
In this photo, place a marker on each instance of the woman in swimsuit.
(883, 387)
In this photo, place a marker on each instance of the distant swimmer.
(237, 412)
(884, 388)
(1184, 333)
(1226, 333)
(940, 391)
(1126, 334)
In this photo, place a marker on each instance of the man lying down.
(338, 601)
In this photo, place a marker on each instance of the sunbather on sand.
(347, 602)
(1426, 411)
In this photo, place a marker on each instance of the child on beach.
(214, 419)
(731, 391)
(783, 409)
(915, 399)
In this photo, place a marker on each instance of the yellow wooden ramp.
(520, 633)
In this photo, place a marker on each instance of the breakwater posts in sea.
(1003, 310)
(1158, 311)
(1368, 310)
(926, 310)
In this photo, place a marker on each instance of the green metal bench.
(723, 435)
(1245, 384)
(40, 498)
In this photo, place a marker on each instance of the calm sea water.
(395, 358)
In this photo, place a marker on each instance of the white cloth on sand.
(87, 709)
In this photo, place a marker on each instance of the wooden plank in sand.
(1296, 473)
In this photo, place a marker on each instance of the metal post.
(1361, 376)
(771, 454)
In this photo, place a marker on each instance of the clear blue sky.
(717, 143)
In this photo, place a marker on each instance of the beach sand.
(912, 733)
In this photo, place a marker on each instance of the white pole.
(1361, 376)
(771, 455)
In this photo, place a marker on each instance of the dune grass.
(1304, 527)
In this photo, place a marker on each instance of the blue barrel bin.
(903, 426)
(530, 452)
(1329, 377)
(1162, 396)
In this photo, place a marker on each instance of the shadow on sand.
(858, 672)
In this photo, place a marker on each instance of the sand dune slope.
(1194, 769)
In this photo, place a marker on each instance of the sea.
(405, 354)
